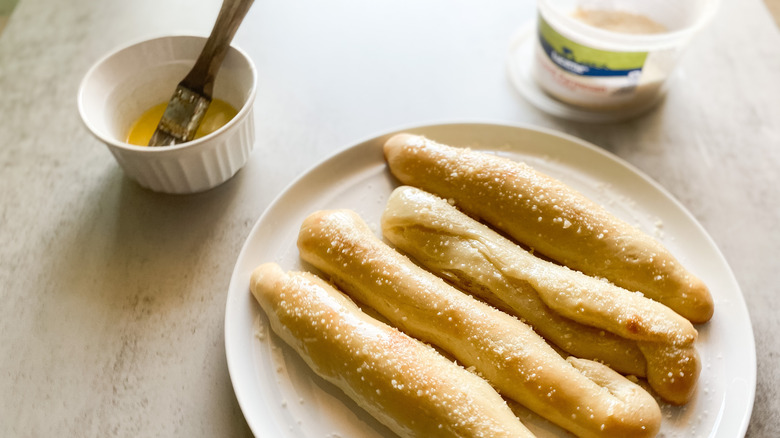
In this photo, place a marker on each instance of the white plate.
(281, 397)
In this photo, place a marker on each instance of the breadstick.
(505, 351)
(406, 385)
(478, 259)
(550, 217)
(440, 241)
(672, 370)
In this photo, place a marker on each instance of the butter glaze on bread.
(550, 217)
(587, 398)
(578, 313)
(406, 385)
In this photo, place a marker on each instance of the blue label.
(582, 60)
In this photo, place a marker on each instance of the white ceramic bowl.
(128, 81)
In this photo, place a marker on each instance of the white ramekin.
(128, 81)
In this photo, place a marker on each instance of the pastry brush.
(192, 97)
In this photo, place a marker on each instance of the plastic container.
(125, 83)
(592, 73)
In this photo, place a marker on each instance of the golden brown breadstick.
(672, 370)
(478, 259)
(406, 385)
(551, 218)
(439, 240)
(505, 351)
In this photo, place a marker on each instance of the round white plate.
(281, 397)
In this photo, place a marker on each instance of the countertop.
(113, 296)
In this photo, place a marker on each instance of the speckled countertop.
(113, 297)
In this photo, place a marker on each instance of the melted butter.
(619, 21)
(217, 115)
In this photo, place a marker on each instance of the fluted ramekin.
(130, 80)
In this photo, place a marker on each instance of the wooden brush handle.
(201, 77)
